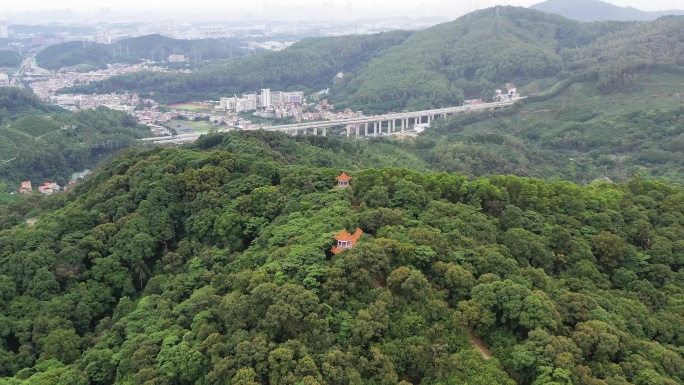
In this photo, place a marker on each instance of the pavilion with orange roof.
(343, 180)
(345, 240)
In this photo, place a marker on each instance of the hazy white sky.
(448, 9)
(34, 5)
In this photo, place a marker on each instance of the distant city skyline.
(298, 9)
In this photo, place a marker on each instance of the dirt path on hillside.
(477, 342)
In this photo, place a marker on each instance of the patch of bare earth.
(379, 281)
(477, 342)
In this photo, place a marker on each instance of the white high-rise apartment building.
(4, 29)
(265, 98)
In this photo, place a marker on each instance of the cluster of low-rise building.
(267, 99)
(302, 112)
(283, 104)
(49, 188)
(47, 86)
(268, 104)
(4, 80)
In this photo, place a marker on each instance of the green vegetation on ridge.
(134, 50)
(438, 66)
(595, 10)
(309, 65)
(9, 58)
(44, 143)
(579, 135)
(211, 265)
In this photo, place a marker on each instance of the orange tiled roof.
(345, 236)
(344, 177)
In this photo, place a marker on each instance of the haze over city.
(128, 10)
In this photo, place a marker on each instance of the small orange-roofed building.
(25, 187)
(345, 240)
(343, 180)
(48, 188)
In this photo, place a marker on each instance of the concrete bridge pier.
(366, 130)
(324, 131)
(315, 131)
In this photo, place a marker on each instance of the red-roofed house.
(343, 180)
(25, 187)
(345, 240)
(48, 188)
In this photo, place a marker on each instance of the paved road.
(184, 138)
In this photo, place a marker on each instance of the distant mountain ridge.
(596, 10)
(151, 47)
(439, 66)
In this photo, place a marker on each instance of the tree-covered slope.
(15, 102)
(439, 66)
(469, 56)
(9, 58)
(41, 143)
(581, 134)
(595, 10)
(134, 50)
(38, 148)
(487, 49)
(620, 58)
(200, 265)
(310, 65)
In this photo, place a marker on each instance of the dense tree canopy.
(309, 65)
(41, 142)
(211, 264)
(9, 58)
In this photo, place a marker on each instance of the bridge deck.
(353, 121)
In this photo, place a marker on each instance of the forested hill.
(151, 47)
(212, 264)
(442, 65)
(487, 49)
(468, 57)
(43, 143)
(309, 65)
(595, 10)
(14, 102)
(9, 58)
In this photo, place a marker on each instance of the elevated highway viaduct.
(359, 127)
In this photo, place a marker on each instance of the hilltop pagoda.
(345, 240)
(343, 180)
